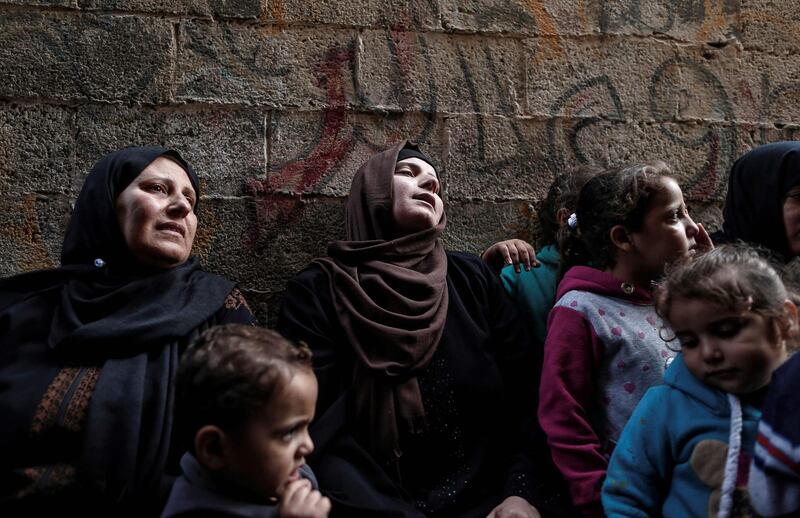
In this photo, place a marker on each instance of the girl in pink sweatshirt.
(603, 349)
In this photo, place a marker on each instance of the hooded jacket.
(602, 352)
(671, 457)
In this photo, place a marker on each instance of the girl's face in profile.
(668, 232)
(416, 204)
(733, 351)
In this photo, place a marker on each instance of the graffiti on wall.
(581, 120)
(704, 17)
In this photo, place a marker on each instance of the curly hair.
(230, 373)
(563, 193)
(735, 276)
(616, 197)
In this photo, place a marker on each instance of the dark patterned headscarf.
(115, 315)
(92, 233)
(115, 299)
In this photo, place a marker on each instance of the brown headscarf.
(390, 295)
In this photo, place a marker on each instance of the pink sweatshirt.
(602, 352)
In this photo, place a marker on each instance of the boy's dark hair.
(230, 373)
(563, 192)
(616, 197)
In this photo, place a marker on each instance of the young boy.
(244, 399)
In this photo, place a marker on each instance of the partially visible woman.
(427, 380)
(763, 202)
(89, 350)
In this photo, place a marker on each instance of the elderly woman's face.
(416, 204)
(156, 214)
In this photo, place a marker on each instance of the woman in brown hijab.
(427, 381)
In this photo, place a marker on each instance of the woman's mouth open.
(427, 198)
(172, 227)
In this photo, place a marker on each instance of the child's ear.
(209, 447)
(620, 238)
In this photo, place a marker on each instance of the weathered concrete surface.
(37, 149)
(258, 64)
(82, 57)
(421, 14)
(277, 103)
(284, 245)
(685, 20)
(771, 27)
(471, 226)
(441, 72)
(221, 8)
(31, 231)
(199, 133)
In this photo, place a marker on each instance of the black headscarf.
(115, 314)
(757, 189)
(85, 240)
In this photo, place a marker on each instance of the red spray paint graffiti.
(277, 197)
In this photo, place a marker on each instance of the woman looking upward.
(426, 378)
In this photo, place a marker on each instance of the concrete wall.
(277, 102)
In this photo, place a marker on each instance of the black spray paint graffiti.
(581, 117)
(661, 16)
(681, 90)
(776, 99)
(589, 103)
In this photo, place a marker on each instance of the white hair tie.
(572, 221)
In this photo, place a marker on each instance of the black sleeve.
(305, 316)
(532, 474)
(347, 474)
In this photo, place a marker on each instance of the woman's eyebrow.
(407, 164)
(164, 179)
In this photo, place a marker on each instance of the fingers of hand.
(703, 239)
(324, 506)
(513, 255)
(296, 491)
(532, 253)
(304, 502)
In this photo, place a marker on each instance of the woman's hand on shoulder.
(514, 507)
(299, 500)
(511, 251)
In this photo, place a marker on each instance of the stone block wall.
(277, 102)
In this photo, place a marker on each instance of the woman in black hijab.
(89, 350)
(763, 202)
(427, 381)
